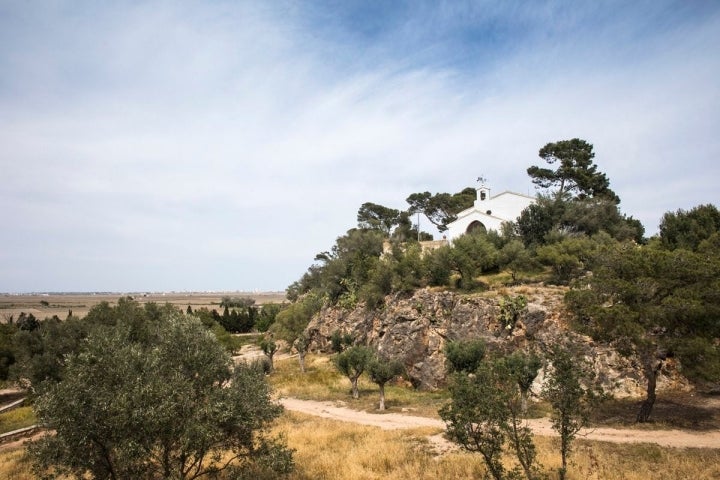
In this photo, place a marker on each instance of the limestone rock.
(416, 328)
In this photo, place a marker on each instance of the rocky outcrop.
(416, 328)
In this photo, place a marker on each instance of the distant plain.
(47, 305)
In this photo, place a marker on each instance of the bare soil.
(392, 421)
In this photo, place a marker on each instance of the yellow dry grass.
(331, 450)
(14, 465)
(328, 449)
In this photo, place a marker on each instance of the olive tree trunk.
(354, 383)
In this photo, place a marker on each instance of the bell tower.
(483, 192)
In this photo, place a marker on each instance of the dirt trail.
(394, 421)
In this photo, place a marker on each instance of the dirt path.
(394, 421)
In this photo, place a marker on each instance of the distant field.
(43, 306)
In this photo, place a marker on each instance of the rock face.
(416, 328)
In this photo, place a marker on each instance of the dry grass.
(14, 465)
(321, 381)
(331, 450)
(327, 449)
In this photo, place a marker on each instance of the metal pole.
(418, 214)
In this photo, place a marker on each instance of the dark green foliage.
(523, 368)
(441, 208)
(381, 282)
(410, 270)
(340, 341)
(654, 302)
(510, 310)
(438, 265)
(7, 350)
(594, 215)
(464, 356)
(570, 257)
(40, 353)
(575, 174)
(476, 415)
(576, 217)
(537, 220)
(381, 370)
(570, 391)
(269, 347)
(638, 293)
(580, 200)
(161, 403)
(516, 258)
(27, 322)
(471, 255)
(485, 413)
(207, 317)
(352, 363)
(688, 229)
(239, 315)
(266, 316)
(377, 217)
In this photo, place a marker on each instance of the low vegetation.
(17, 418)
(334, 450)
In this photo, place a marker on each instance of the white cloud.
(187, 145)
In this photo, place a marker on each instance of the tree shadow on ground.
(688, 411)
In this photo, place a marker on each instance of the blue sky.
(188, 145)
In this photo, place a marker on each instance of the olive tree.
(269, 347)
(484, 415)
(571, 393)
(352, 363)
(464, 355)
(524, 368)
(381, 370)
(161, 402)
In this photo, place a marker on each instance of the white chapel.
(489, 212)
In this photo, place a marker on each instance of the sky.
(219, 145)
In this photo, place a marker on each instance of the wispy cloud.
(195, 145)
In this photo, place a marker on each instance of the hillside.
(416, 327)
